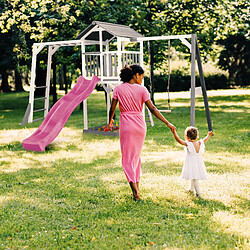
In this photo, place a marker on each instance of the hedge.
(181, 82)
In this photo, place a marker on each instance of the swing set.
(106, 63)
(195, 55)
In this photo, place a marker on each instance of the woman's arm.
(177, 138)
(112, 111)
(209, 134)
(158, 114)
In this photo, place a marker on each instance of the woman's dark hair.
(128, 72)
(137, 69)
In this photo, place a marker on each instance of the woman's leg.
(135, 191)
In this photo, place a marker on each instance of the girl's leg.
(191, 189)
(192, 186)
(197, 188)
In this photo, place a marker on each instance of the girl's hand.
(210, 133)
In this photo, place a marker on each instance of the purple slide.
(59, 114)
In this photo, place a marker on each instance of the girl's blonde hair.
(191, 133)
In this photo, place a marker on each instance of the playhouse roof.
(110, 30)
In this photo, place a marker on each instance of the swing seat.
(165, 110)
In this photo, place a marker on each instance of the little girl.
(194, 167)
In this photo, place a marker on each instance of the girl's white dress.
(194, 167)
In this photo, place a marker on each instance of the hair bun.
(126, 74)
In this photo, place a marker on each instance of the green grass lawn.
(75, 194)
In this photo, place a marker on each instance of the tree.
(235, 57)
(42, 20)
(6, 59)
(148, 19)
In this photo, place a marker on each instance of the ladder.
(32, 102)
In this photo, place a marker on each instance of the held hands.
(210, 133)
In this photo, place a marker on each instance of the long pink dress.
(132, 127)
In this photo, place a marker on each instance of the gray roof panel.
(111, 30)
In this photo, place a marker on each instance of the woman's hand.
(111, 123)
(172, 127)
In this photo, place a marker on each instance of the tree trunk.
(61, 79)
(5, 84)
(53, 89)
(18, 81)
(65, 79)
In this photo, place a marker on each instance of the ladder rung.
(38, 110)
(41, 87)
(40, 98)
(38, 119)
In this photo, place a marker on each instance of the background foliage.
(23, 22)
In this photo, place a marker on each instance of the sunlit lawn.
(75, 194)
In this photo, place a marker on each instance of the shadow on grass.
(65, 215)
(69, 203)
(13, 146)
(211, 205)
(243, 202)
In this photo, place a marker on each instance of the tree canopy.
(23, 22)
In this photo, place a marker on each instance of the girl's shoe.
(188, 191)
(199, 196)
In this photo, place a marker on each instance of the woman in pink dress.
(131, 96)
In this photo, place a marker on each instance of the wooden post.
(108, 65)
(101, 54)
(32, 83)
(85, 110)
(192, 110)
(107, 59)
(150, 72)
(119, 55)
(46, 104)
(141, 55)
(141, 64)
(203, 86)
(108, 101)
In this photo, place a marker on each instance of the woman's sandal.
(137, 198)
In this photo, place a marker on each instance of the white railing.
(110, 62)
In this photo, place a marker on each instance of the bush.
(181, 82)
(218, 81)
